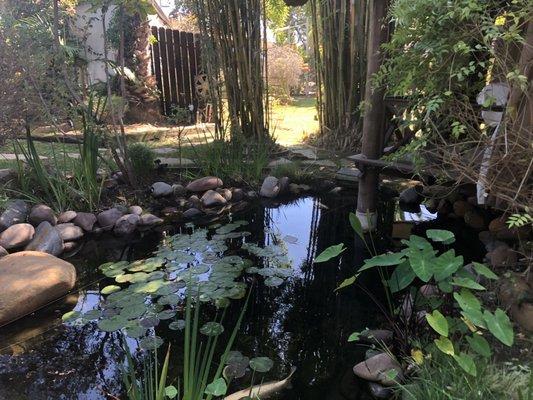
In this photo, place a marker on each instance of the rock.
(513, 289)
(460, 207)
(69, 232)
(270, 187)
(226, 193)
(444, 208)
(252, 194)
(304, 188)
(191, 213)
(126, 224)
(500, 229)
(110, 183)
(30, 280)
(69, 246)
(137, 210)
(278, 162)
(379, 368)
(179, 190)
(169, 211)
(502, 256)
(149, 220)
(66, 216)
(161, 189)
(376, 336)
(108, 218)
(3, 252)
(194, 201)
(412, 195)
(283, 184)
(17, 235)
(7, 174)
(474, 220)
(213, 199)
(432, 205)
(85, 221)
(46, 239)
(15, 213)
(523, 315)
(237, 194)
(379, 391)
(204, 184)
(294, 188)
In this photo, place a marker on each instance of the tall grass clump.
(142, 160)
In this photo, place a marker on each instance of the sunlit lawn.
(293, 122)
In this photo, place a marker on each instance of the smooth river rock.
(46, 239)
(69, 232)
(85, 221)
(66, 216)
(381, 368)
(40, 213)
(15, 213)
(270, 187)
(108, 218)
(149, 220)
(213, 199)
(204, 184)
(30, 280)
(17, 235)
(126, 224)
(161, 189)
(3, 252)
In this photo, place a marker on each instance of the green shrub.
(142, 160)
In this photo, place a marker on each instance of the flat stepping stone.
(349, 174)
(305, 152)
(278, 162)
(165, 150)
(13, 157)
(321, 163)
(176, 162)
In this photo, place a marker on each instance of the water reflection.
(302, 323)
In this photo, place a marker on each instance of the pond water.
(302, 323)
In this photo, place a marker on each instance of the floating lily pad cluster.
(148, 291)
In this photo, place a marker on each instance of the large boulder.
(30, 280)
(108, 218)
(213, 199)
(40, 213)
(47, 240)
(502, 256)
(204, 184)
(381, 368)
(126, 224)
(17, 235)
(69, 232)
(499, 228)
(15, 213)
(270, 187)
(85, 221)
(161, 189)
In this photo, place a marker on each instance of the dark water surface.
(302, 323)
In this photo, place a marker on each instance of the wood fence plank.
(171, 67)
(186, 69)
(156, 57)
(179, 67)
(164, 70)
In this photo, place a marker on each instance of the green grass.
(291, 123)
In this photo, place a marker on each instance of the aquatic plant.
(458, 316)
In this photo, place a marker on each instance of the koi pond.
(135, 293)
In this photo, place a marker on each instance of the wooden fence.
(175, 64)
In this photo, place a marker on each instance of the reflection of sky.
(294, 220)
(423, 215)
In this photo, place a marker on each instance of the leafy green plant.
(457, 314)
(519, 220)
(142, 160)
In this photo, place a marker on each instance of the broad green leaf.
(445, 286)
(70, 316)
(402, 277)
(466, 363)
(150, 343)
(347, 282)
(354, 336)
(446, 264)
(110, 289)
(383, 260)
(217, 388)
(212, 329)
(422, 263)
(467, 283)
(171, 392)
(261, 364)
(479, 344)
(438, 322)
(445, 345)
(356, 225)
(484, 270)
(471, 306)
(500, 326)
(440, 235)
(273, 281)
(329, 253)
(417, 242)
(111, 324)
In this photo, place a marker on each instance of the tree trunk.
(373, 119)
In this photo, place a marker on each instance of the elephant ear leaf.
(402, 277)
(438, 322)
(440, 235)
(500, 326)
(329, 253)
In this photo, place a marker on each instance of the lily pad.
(212, 329)
(150, 343)
(177, 325)
(261, 364)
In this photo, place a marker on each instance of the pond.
(300, 322)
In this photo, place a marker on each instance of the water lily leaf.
(169, 299)
(217, 388)
(234, 357)
(440, 235)
(111, 324)
(199, 269)
(438, 322)
(479, 344)
(134, 310)
(135, 331)
(166, 314)
(148, 287)
(500, 326)
(261, 364)
(329, 253)
(273, 281)
(445, 345)
(150, 343)
(466, 363)
(446, 264)
(149, 322)
(178, 325)
(171, 392)
(92, 315)
(212, 329)
(70, 316)
(402, 277)
(234, 371)
(110, 289)
(482, 269)
(422, 263)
